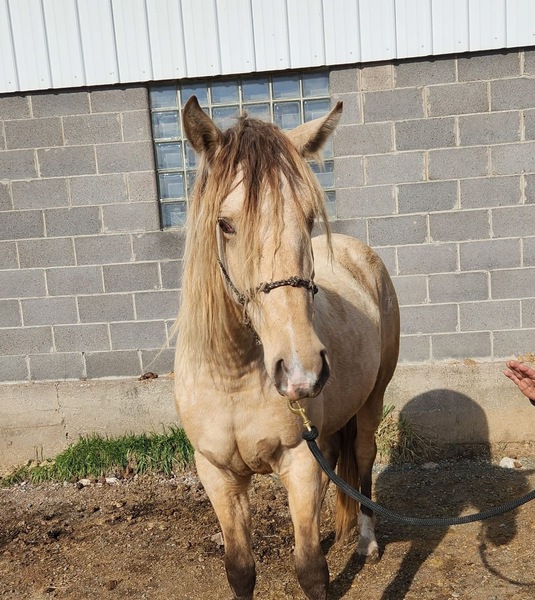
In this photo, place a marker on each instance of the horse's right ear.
(200, 130)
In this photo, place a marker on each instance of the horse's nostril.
(325, 369)
(279, 374)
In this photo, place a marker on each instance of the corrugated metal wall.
(69, 43)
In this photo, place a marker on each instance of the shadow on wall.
(452, 488)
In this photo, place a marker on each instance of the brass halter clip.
(297, 409)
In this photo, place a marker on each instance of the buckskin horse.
(267, 311)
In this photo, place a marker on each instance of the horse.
(271, 314)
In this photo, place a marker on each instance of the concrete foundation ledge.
(451, 403)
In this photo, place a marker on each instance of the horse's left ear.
(310, 137)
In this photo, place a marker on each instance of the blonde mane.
(264, 158)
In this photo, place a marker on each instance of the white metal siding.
(70, 43)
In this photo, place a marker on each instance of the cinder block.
(131, 277)
(529, 124)
(18, 225)
(343, 80)
(509, 344)
(125, 157)
(119, 363)
(489, 254)
(83, 220)
(40, 193)
(21, 340)
(160, 245)
(92, 129)
(427, 258)
(171, 271)
(17, 164)
(370, 138)
(98, 189)
(14, 107)
(354, 227)
(528, 313)
(529, 251)
(529, 62)
(460, 346)
(49, 311)
(156, 305)
(490, 191)
(103, 308)
(393, 231)
(455, 163)
(514, 221)
(411, 289)
(161, 362)
(393, 105)
(62, 162)
(394, 168)
(141, 334)
(72, 281)
(54, 103)
(8, 255)
(352, 112)
(414, 348)
(425, 133)
(131, 217)
(119, 99)
(13, 368)
(491, 128)
(5, 197)
(365, 201)
(142, 186)
(348, 172)
(136, 126)
(33, 133)
(492, 65)
(511, 94)
(378, 76)
(459, 226)
(427, 197)
(103, 249)
(457, 99)
(512, 283)
(10, 313)
(57, 366)
(81, 338)
(458, 287)
(513, 158)
(420, 72)
(22, 283)
(489, 316)
(428, 318)
(46, 253)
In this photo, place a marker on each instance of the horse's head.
(257, 198)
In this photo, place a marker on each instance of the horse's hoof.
(373, 558)
(368, 550)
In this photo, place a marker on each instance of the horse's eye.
(226, 227)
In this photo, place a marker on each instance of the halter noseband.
(242, 299)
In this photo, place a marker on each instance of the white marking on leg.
(367, 544)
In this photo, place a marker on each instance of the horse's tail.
(346, 507)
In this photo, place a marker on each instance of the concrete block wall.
(88, 282)
(435, 168)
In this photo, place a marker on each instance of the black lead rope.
(310, 438)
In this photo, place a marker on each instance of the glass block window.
(286, 99)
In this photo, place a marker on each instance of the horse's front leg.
(303, 479)
(228, 495)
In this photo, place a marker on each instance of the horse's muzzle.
(295, 383)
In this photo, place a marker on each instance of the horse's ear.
(310, 137)
(200, 130)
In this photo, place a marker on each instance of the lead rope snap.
(311, 432)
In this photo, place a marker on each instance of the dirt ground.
(152, 538)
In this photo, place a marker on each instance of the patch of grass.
(397, 442)
(95, 456)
